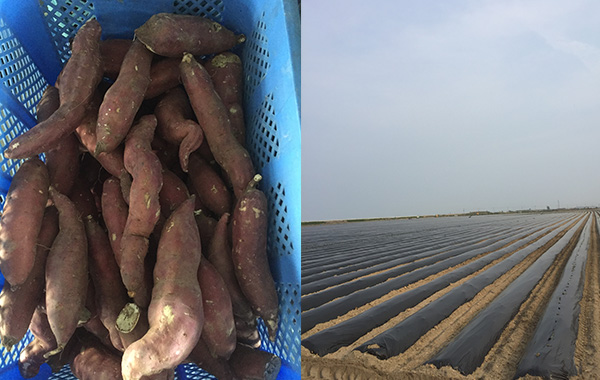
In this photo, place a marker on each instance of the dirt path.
(587, 349)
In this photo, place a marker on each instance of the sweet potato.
(114, 212)
(175, 124)
(210, 187)
(173, 193)
(84, 200)
(63, 164)
(173, 35)
(78, 81)
(199, 205)
(164, 75)
(144, 207)
(175, 314)
(218, 253)
(123, 99)
(249, 254)
(61, 161)
(95, 326)
(17, 306)
(32, 356)
(90, 320)
(139, 330)
(206, 225)
(254, 364)
(57, 361)
(48, 104)
(22, 219)
(166, 152)
(66, 272)
(227, 72)
(39, 325)
(111, 161)
(219, 327)
(213, 117)
(246, 332)
(146, 169)
(91, 360)
(113, 52)
(216, 366)
(111, 294)
(205, 152)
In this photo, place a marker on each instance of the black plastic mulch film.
(348, 243)
(332, 292)
(551, 351)
(342, 305)
(400, 337)
(343, 275)
(468, 349)
(346, 252)
(347, 332)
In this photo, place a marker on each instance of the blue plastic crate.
(34, 37)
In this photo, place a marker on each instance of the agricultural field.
(483, 297)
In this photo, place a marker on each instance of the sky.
(434, 107)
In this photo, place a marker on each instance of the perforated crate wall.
(64, 17)
(34, 44)
(22, 87)
(212, 9)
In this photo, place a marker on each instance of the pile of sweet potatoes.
(140, 243)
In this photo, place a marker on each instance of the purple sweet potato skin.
(211, 189)
(146, 169)
(113, 52)
(111, 295)
(175, 124)
(172, 35)
(249, 254)
(93, 361)
(32, 356)
(123, 99)
(111, 161)
(83, 199)
(218, 253)
(213, 117)
(144, 207)
(48, 104)
(164, 76)
(114, 212)
(216, 366)
(173, 193)
(63, 164)
(175, 314)
(206, 225)
(62, 161)
(17, 305)
(227, 72)
(22, 219)
(253, 364)
(78, 81)
(219, 326)
(66, 271)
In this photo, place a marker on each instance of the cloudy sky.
(424, 107)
